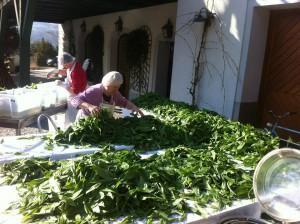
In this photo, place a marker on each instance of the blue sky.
(48, 31)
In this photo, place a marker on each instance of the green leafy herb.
(208, 162)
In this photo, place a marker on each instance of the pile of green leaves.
(145, 133)
(112, 184)
(24, 170)
(220, 133)
(208, 162)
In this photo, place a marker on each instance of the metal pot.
(276, 184)
(243, 221)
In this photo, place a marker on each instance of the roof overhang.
(58, 11)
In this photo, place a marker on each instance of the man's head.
(67, 60)
(112, 82)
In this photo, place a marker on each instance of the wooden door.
(280, 88)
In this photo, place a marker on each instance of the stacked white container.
(23, 102)
(52, 94)
(48, 94)
(18, 103)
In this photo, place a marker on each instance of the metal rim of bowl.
(243, 220)
(284, 153)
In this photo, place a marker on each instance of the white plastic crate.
(48, 94)
(5, 107)
(52, 94)
(19, 103)
(62, 94)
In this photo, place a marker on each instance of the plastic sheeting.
(33, 146)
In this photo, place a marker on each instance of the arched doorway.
(139, 58)
(164, 68)
(122, 63)
(94, 50)
(134, 54)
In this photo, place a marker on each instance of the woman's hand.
(138, 111)
(93, 109)
(62, 72)
(133, 107)
(90, 107)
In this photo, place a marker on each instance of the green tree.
(43, 50)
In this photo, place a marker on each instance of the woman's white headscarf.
(112, 78)
(66, 58)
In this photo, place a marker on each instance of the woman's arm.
(91, 108)
(123, 102)
(89, 100)
(133, 107)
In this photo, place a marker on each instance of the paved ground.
(12, 132)
(37, 75)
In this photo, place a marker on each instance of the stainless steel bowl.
(276, 184)
(243, 220)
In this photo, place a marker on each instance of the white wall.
(153, 17)
(234, 52)
(223, 50)
(184, 51)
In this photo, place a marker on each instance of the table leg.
(18, 131)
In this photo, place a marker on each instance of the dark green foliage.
(145, 133)
(112, 184)
(208, 162)
(26, 170)
(104, 186)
